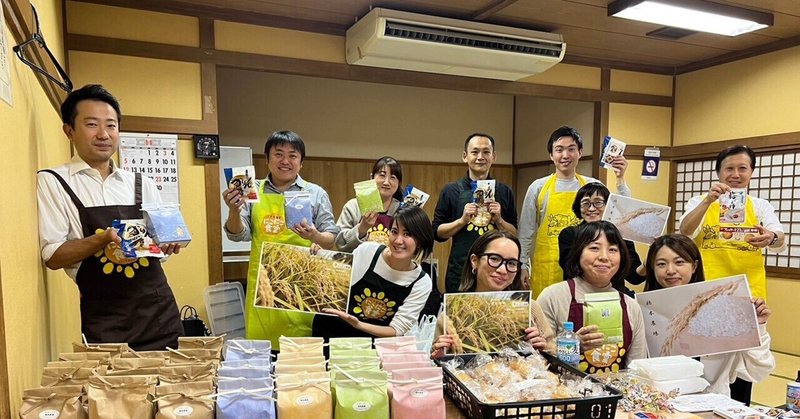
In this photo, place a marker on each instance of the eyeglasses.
(597, 204)
(495, 261)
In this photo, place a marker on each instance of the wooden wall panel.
(337, 176)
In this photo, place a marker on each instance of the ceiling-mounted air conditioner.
(410, 41)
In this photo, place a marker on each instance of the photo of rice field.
(291, 278)
(487, 321)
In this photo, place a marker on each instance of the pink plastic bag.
(391, 366)
(417, 393)
(405, 357)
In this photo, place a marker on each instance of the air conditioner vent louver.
(454, 37)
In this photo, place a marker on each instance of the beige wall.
(31, 126)
(536, 118)
(359, 120)
(751, 97)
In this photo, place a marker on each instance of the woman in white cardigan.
(674, 260)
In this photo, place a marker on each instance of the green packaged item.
(360, 394)
(335, 353)
(350, 343)
(368, 197)
(604, 310)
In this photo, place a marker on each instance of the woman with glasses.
(494, 265)
(588, 206)
(595, 265)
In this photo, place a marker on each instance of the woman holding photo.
(597, 263)
(388, 288)
(674, 260)
(357, 228)
(494, 265)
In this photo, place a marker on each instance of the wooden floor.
(772, 391)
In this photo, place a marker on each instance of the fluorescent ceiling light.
(696, 15)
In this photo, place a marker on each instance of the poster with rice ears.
(486, 321)
(703, 318)
(637, 220)
(291, 278)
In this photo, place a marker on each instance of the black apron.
(123, 299)
(373, 300)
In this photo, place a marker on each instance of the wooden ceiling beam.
(491, 9)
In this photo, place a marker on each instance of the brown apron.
(611, 357)
(123, 299)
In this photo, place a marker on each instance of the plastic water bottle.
(568, 346)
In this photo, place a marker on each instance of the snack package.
(305, 396)
(60, 376)
(305, 365)
(132, 394)
(361, 394)
(176, 374)
(731, 206)
(184, 400)
(104, 358)
(482, 194)
(604, 310)
(612, 147)
(201, 342)
(417, 393)
(165, 225)
(240, 349)
(368, 196)
(241, 178)
(53, 402)
(243, 372)
(252, 362)
(297, 344)
(136, 366)
(414, 197)
(402, 365)
(113, 349)
(145, 354)
(136, 242)
(350, 343)
(245, 398)
(297, 208)
(737, 233)
(194, 356)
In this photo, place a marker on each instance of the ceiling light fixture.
(697, 15)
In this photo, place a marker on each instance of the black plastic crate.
(586, 407)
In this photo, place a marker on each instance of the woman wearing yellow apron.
(734, 248)
(265, 221)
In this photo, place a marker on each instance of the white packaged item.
(690, 385)
(663, 368)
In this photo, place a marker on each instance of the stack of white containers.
(415, 384)
(669, 373)
(244, 384)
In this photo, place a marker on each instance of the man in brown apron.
(122, 299)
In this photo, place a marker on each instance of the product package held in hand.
(135, 241)
(297, 208)
(368, 196)
(241, 179)
(414, 197)
(165, 224)
(604, 310)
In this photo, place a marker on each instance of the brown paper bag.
(63, 402)
(305, 396)
(303, 344)
(65, 376)
(86, 363)
(201, 342)
(126, 396)
(103, 357)
(136, 366)
(177, 401)
(194, 356)
(115, 349)
(176, 374)
(145, 354)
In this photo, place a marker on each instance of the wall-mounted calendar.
(154, 155)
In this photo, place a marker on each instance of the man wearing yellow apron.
(265, 222)
(547, 208)
(732, 253)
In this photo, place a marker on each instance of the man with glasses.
(590, 201)
(547, 207)
(455, 212)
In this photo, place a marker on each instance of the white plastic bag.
(424, 332)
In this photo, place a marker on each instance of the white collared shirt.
(58, 217)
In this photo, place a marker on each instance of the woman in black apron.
(386, 299)
(123, 300)
(597, 264)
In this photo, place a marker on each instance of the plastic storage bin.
(598, 407)
(225, 307)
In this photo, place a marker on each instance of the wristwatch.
(774, 239)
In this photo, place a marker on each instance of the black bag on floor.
(192, 324)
